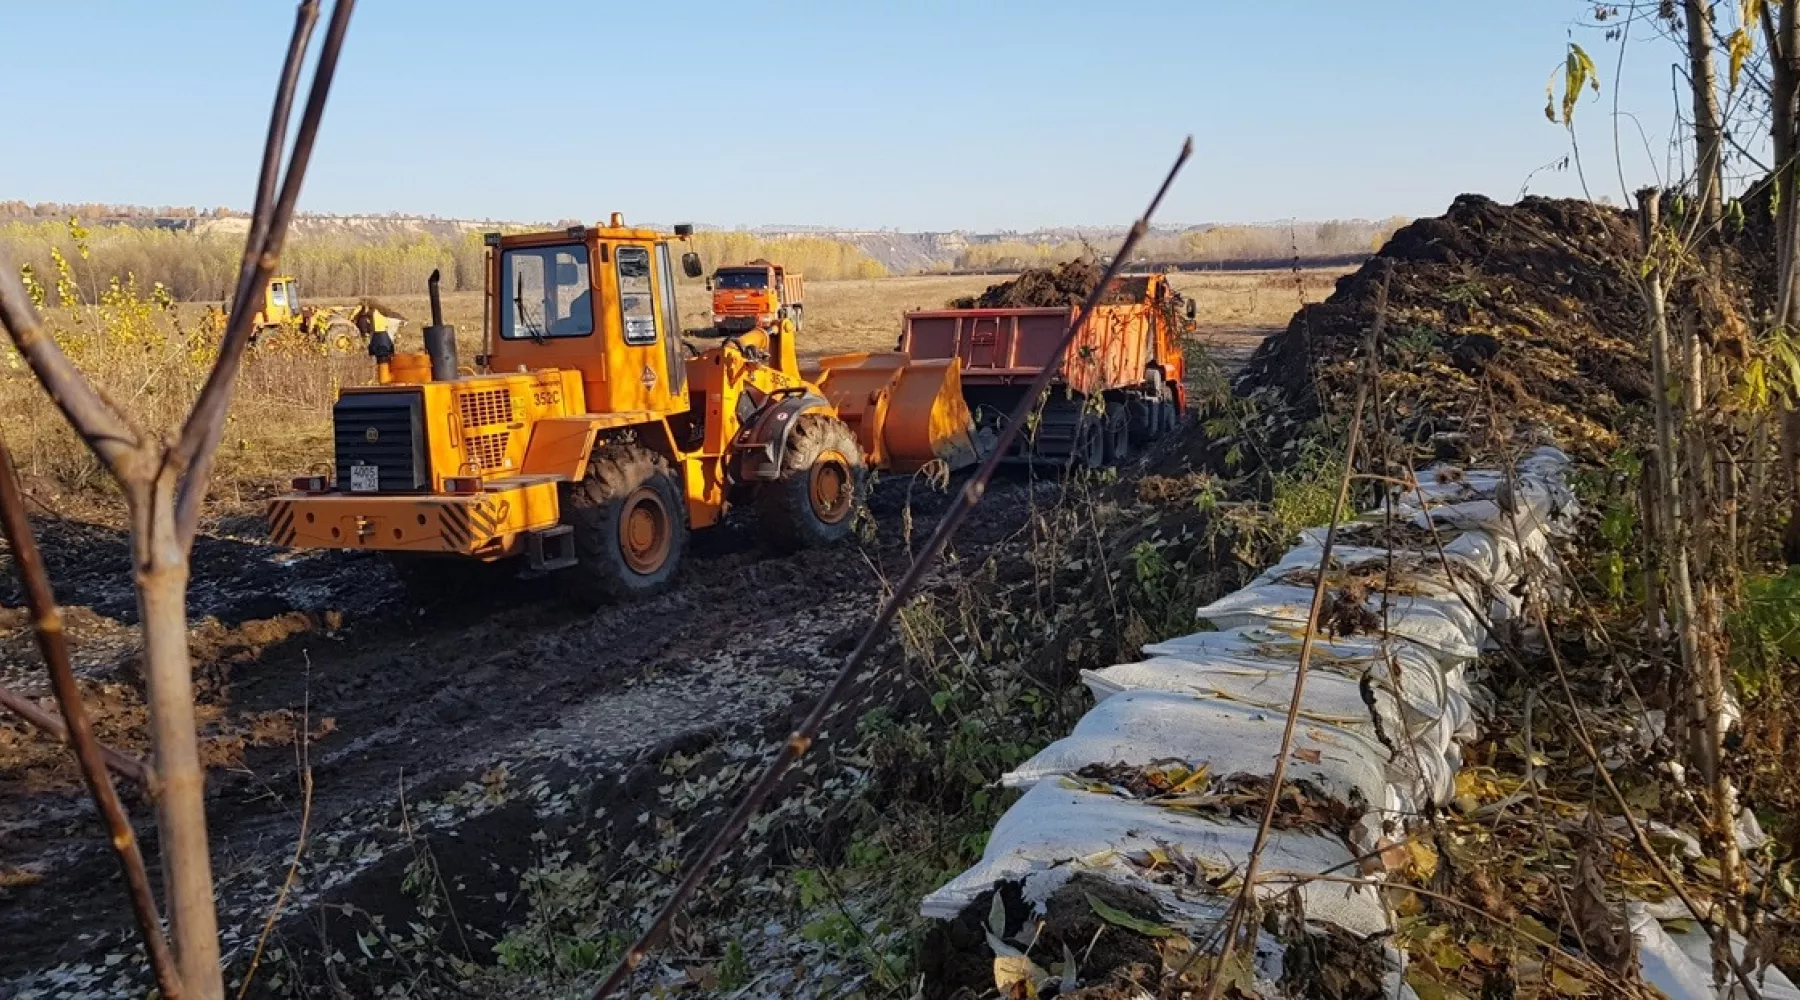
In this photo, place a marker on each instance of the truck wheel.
(630, 521)
(341, 336)
(1090, 446)
(433, 580)
(822, 480)
(1168, 418)
(1118, 435)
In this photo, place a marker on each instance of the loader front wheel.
(630, 521)
(822, 481)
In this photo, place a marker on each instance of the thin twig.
(1584, 741)
(121, 765)
(802, 738)
(293, 872)
(1253, 867)
(1579, 961)
(53, 643)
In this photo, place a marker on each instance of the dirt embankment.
(1533, 302)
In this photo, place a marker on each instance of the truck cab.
(756, 294)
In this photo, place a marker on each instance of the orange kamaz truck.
(757, 294)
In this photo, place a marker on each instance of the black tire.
(430, 580)
(823, 480)
(631, 527)
(1090, 444)
(1118, 434)
(1140, 416)
(342, 337)
(1169, 418)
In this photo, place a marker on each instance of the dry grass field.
(280, 424)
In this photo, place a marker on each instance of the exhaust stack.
(440, 340)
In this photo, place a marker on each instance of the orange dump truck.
(757, 294)
(1119, 384)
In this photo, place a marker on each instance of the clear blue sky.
(928, 114)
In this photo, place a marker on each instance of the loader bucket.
(906, 413)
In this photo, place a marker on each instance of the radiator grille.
(384, 430)
(486, 452)
(486, 407)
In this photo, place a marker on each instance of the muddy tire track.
(429, 705)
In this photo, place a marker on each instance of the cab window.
(741, 279)
(637, 301)
(547, 293)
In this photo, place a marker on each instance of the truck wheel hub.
(644, 531)
(829, 487)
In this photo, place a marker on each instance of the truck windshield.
(741, 279)
(545, 292)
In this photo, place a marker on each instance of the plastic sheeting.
(1379, 722)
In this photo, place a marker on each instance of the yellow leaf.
(1197, 779)
(1567, 983)
(1017, 977)
(1481, 952)
(1739, 45)
(1424, 859)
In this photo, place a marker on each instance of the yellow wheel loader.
(594, 436)
(282, 319)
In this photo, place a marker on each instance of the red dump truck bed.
(1129, 354)
(1000, 346)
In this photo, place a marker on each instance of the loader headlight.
(765, 318)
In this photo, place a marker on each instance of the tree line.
(200, 266)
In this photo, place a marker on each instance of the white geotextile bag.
(1679, 963)
(1494, 557)
(1332, 698)
(1140, 728)
(1427, 683)
(1442, 625)
(1413, 572)
(1053, 832)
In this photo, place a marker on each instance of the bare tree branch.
(118, 763)
(193, 453)
(53, 643)
(105, 429)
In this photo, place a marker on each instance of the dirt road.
(466, 736)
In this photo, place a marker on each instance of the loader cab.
(281, 301)
(599, 300)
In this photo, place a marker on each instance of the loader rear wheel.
(630, 521)
(822, 481)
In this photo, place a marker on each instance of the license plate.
(365, 478)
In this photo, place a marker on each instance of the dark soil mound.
(1067, 285)
(1529, 311)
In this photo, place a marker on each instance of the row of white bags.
(1379, 721)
